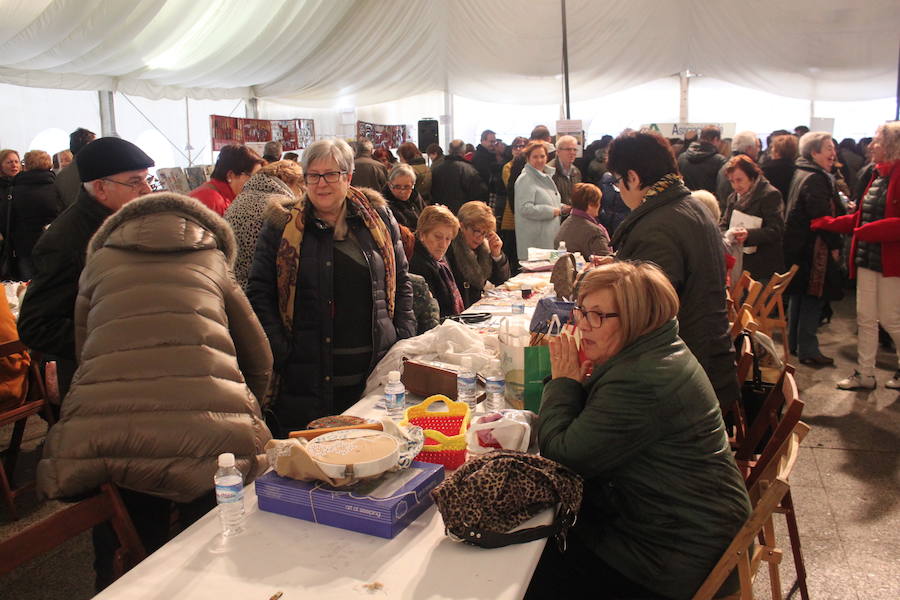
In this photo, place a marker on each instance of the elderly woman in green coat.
(636, 416)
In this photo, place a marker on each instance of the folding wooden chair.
(765, 496)
(743, 321)
(787, 424)
(70, 522)
(745, 290)
(768, 310)
(16, 413)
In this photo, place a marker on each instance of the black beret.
(110, 155)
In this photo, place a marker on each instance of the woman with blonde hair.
(275, 187)
(436, 229)
(476, 253)
(640, 422)
(875, 258)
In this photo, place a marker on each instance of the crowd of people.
(209, 323)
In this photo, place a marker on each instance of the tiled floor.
(846, 491)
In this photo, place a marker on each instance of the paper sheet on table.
(741, 219)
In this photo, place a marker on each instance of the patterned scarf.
(287, 260)
(450, 284)
(664, 183)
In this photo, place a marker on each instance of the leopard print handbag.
(490, 495)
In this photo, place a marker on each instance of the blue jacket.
(536, 201)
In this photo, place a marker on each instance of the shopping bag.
(537, 369)
(513, 339)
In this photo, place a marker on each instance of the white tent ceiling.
(359, 52)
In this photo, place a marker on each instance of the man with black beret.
(113, 172)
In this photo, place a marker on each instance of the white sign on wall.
(669, 130)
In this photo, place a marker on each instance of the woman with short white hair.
(404, 201)
(329, 284)
(875, 258)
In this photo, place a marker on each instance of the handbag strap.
(563, 520)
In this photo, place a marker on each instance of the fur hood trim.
(167, 202)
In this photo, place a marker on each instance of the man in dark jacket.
(114, 172)
(368, 172)
(672, 229)
(67, 180)
(700, 164)
(486, 163)
(455, 182)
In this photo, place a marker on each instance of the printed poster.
(389, 136)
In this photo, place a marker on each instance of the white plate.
(317, 447)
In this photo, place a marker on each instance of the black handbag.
(9, 267)
(755, 392)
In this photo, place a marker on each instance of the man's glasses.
(594, 318)
(134, 184)
(401, 188)
(329, 177)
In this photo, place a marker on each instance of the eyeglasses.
(329, 177)
(567, 149)
(594, 318)
(402, 188)
(134, 184)
(518, 146)
(477, 232)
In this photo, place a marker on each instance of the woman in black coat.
(330, 285)
(476, 253)
(755, 196)
(404, 201)
(36, 203)
(436, 230)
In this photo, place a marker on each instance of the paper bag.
(537, 368)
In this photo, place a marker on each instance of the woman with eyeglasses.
(476, 253)
(636, 416)
(234, 168)
(330, 286)
(404, 201)
(409, 154)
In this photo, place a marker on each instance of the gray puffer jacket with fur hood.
(172, 359)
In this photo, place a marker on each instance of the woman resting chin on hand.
(662, 494)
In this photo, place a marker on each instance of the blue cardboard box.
(382, 507)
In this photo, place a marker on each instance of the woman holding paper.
(755, 214)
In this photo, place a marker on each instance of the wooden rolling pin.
(309, 434)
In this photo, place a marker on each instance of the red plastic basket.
(445, 432)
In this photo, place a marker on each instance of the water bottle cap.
(393, 376)
(562, 245)
(226, 459)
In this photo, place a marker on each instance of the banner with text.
(677, 130)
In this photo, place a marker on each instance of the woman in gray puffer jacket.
(172, 361)
(279, 183)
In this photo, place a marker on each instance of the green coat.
(663, 497)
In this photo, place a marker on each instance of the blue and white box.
(383, 506)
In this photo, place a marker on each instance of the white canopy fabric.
(360, 52)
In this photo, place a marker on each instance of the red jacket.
(885, 231)
(215, 194)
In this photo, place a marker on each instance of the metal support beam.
(107, 114)
(565, 57)
(251, 108)
(685, 82)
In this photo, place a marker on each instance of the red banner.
(389, 136)
(294, 134)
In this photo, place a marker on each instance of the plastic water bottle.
(496, 387)
(555, 254)
(230, 495)
(394, 396)
(465, 384)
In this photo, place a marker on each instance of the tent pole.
(684, 86)
(107, 114)
(897, 101)
(187, 131)
(565, 57)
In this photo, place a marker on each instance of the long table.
(277, 553)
